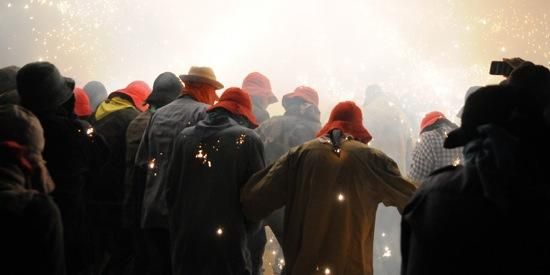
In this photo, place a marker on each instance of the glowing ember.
(152, 164)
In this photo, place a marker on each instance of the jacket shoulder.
(444, 169)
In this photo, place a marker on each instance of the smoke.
(425, 52)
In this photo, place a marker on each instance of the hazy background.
(426, 52)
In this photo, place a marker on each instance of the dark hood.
(216, 121)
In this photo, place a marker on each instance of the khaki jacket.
(331, 200)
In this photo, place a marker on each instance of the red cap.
(347, 117)
(430, 119)
(236, 101)
(306, 93)
(82, 103)
(138, 91)
(257, 84)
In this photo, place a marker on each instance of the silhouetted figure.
(111, 119)
(31, 234)
(210, 164)
(331, 187)
(8, 85)
(490, 215)
(166, 88)
(154, 153)
(73, 152)
(258, 87)
(429, 153)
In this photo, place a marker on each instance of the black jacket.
(73, 154)
(489, 216)
(210, 163)
(107, 192)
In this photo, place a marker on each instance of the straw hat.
(202, 75)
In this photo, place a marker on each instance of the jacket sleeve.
(393, 189)
(266, 190)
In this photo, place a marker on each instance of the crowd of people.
(178, 180)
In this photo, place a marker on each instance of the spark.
(152, 164)
(26, 6)
(327, 271)
(9, 5)
(456, 162)
(240, 139)
(219, 232)
(90, 132)
(274, 252)
(341, 197)
(383, 234)
(387, 252)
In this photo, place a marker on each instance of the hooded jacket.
(155, 150)
(488, 216)
(331, 197)
(209, 165)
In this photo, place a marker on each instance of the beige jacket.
(331, 200)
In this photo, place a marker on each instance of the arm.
(392, 187)
(266, 190)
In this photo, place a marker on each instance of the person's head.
(235, 101)
(301, 95)
(136, 92)
(371, 93)
(430, 119)
(534, 81)
(348, 118)
(488, 105)
(82, 103)
(96, 92)
(258, 87)
(42, 88)
(166, 88)
(8, 85)
(22, 143)
(201, 84)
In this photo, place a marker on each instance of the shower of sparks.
(203, 156)
(240, 139)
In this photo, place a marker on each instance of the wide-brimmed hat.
(488, 105)
(347, 117)
(138, 91)
(257, 84)
(306, 93)
(236, 101)
(42, 87)
(202, 75)
(166, 88)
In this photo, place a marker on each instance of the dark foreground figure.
(489, 216)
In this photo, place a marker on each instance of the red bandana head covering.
(236, 101)
(347, 117)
